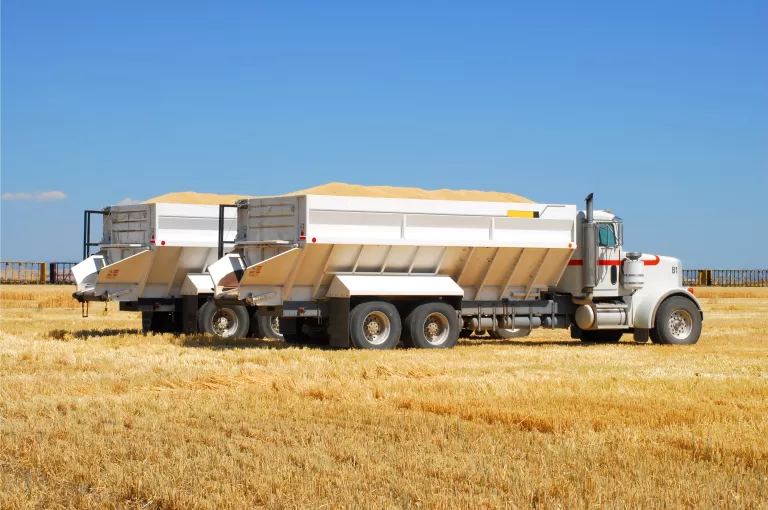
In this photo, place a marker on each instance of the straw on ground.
(94, 414)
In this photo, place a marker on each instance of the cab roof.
(601, 215)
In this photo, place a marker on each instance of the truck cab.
(631, 291)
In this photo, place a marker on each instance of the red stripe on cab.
(599, 262)
(577, 262)
(654, 262)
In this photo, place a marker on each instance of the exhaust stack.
(589, 266)
(590, 249)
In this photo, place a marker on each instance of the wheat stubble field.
(93, 414)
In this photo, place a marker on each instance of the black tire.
(602, 336)
(366, 319)
(166, 322)
(317, 332)
(678, 322)
(304, 331)
(293, 331)
(236, 317)
(159, 322)
(512, 333)
(146, 322)
(437, 316)
(265, 326)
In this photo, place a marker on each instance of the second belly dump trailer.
(153, 258)
(369, 272)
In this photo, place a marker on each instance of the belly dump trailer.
(370, 272)
(153, 258)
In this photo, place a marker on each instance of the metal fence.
(61, 272)
(36, 272)
(22, 272)
(725, 277)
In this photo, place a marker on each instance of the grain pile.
(191, 197)
(349, 190)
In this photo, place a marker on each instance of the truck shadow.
(84, 334)
(201, 341)
(210, 342)
(539, 343)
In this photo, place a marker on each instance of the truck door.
(608, 258)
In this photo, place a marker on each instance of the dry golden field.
(93, 414)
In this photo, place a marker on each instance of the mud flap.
(189, 314)
(338, 329)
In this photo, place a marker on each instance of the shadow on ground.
(538, 343)
(211, 342)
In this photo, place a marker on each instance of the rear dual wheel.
(265, 326)
(159, 322)
(304, 331)
(432, 325)
(374, 325)
(377, 325)
(223, 321)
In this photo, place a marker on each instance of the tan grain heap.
(191, 197)
(349, 190)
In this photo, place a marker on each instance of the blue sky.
(660, 108)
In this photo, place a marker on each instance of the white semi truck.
(371, 272)
(153, 258)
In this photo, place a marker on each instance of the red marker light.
(162, 243)
(314, 239)
(301, 310)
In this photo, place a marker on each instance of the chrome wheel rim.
(436, 328)
(275, 322)
(680, 324)
(224, 322)
(376, 328)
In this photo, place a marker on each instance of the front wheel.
(678, 322)
(224, 321)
